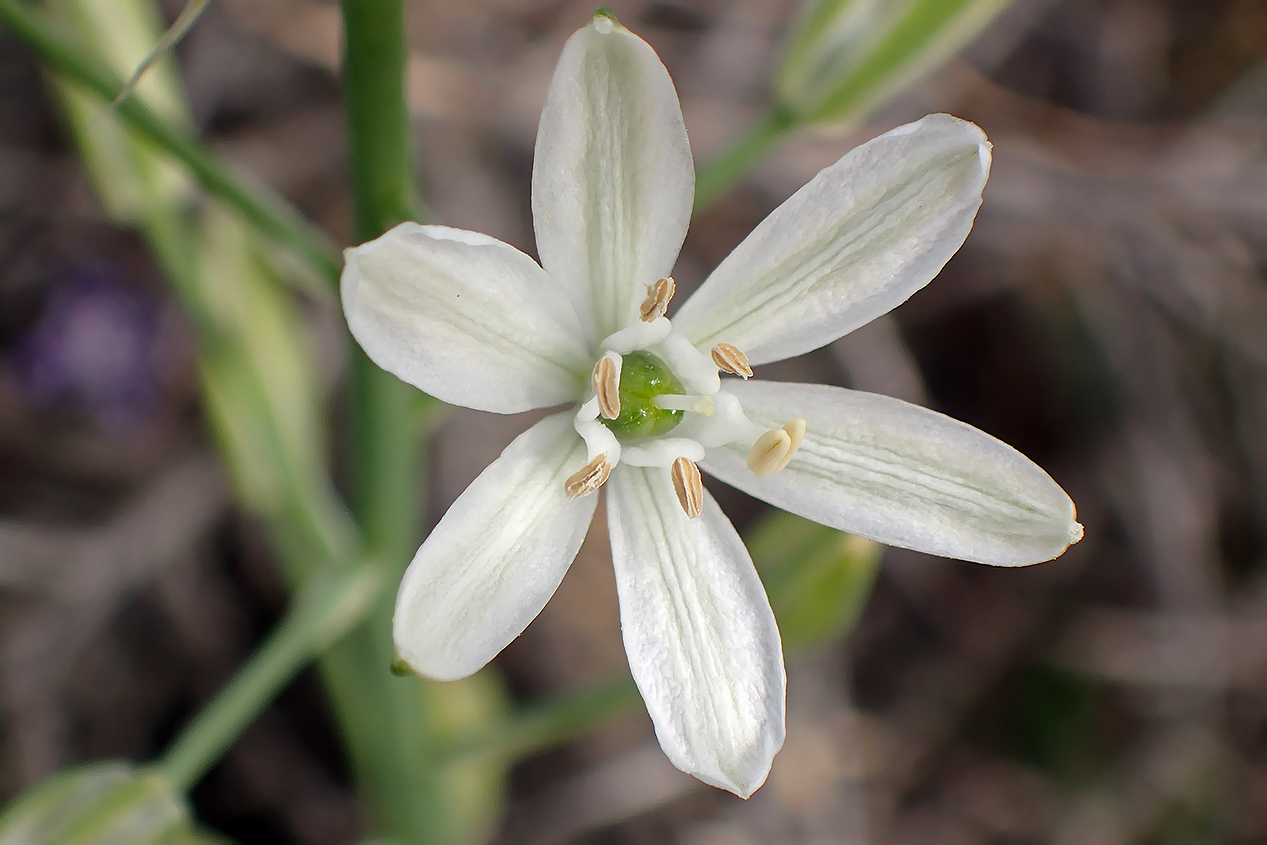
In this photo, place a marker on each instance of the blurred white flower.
(475, 322)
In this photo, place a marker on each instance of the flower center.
(643, 377)
(647, 382)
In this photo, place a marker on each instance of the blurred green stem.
(549, 723)
(267, 212)
(321, 614)
(724, 170)
(385, 717)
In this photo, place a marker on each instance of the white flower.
(475, 322)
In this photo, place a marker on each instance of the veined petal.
(856, 241)
(702, 641)
(496, 557)
(464, 317)
(904, 475)
(612, 181)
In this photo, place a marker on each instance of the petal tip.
(604, 21)
(1075, 532)
(431, 666)
(742, 783)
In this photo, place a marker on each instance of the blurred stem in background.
(319, 616)
(256, 204)
(264, 404)
(260, 394)
(842, 59)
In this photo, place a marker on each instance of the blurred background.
(1107, 316)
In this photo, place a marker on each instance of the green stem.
(724, 170)
(385, 717)
(265, 210)
(321, 615)
(548, 724)
(378, 121)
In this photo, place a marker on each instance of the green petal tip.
(603, 17)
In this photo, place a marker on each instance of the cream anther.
(774, 450)
(687, 486)
(657, 302)
(768, 452)
(606, 382)
(589, 478)
(795, 429)
(730, 360)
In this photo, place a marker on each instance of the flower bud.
(110, 801)
(843, 58)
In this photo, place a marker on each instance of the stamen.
(606, 381)
(795, 429)
(589, 478)
(730, 360)
(692, 367)
(638, 336)
(661, 452)
(687, 485)
(773, 450)
(767, 454)
(686, 402)
(657, 301)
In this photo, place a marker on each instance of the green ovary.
(643, 377)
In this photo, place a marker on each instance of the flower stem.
(548, 724)
(724, 170)
(321, 614)
(385, 718)
(263, 209)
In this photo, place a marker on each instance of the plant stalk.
(321, 614)
(724, 170)
(262, 208)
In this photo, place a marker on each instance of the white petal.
(613, 181)
(496, 557)
(701, 638)
(858, 240)
(906, 476)
(464, 317)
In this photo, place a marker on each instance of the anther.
(768, 452)
(687, 485)
(795, 431)
(730, 360)
(773, 450)
(589, 478)
(606, 381)
(657, 301)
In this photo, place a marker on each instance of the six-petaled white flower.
(475, 322)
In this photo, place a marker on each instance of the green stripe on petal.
(612, 180)
(467, 318)
(496, 557)
(855, 242)
(903, 475)
(701, 638)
